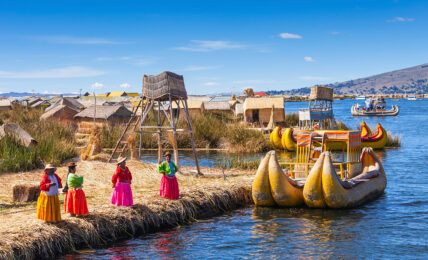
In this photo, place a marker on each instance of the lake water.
(392, 227)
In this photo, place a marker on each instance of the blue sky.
(219, 46)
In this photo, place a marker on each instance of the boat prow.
(288, 141)
(261, 187)
(376, 141)
(275, 137)
(285, 191)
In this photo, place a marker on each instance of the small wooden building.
(258, 110)
(103, 116)
(195, 107)
(69, 102)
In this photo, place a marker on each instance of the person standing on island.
(75, 200)
(121, 182)
(48, 207)
(169, 185)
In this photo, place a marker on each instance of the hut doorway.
(255, 115)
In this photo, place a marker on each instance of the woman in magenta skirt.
(121, 182)
(169, 185)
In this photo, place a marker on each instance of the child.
(121, 182)
(75, 200)
(169, 185)
(48, 207)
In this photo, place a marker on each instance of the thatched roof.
(191, 104)
(60, 112)
(69, 102)
(198, 98)
(39, 103)
(219, 105)
(160, 86)
(104, 112)
(263, 103)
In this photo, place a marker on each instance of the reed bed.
(56, 142)
(292, 119)
(25, 237)
(393, 141)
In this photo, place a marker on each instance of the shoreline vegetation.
(25, 237)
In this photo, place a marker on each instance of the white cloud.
(67, 72)
(198, 68)
(314, 78)
(290, 36)
(125, 85)
(206, 46)
(308, 59)
(65, 39)
(211, 83)
(401, 19)
(125, 58)
(97, 85)
(104, 59)
(334, 33)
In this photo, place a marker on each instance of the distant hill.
(413, 80)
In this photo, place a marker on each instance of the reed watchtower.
(320, 110)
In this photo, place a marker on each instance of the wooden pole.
(174, 134)
(187, 117)
(159, 134)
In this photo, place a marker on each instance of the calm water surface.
(392, 227)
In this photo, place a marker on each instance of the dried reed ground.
(25, 237)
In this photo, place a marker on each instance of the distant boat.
(361, 98)
(412, 98)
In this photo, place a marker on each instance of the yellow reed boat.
(324, 188)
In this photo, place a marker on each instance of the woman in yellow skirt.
(48, 208)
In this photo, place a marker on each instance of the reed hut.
(217, 106)
(239, 109)
(258, 110)
(61, 113)
(69, 102)
(195, 107)
(102, 116)
(5, 105)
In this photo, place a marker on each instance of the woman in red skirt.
(169, 185)
(75, 200)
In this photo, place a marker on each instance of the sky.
(218, 46)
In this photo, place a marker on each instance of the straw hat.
(167, 154)
(121, 159)
(49, 166)
(71, 164)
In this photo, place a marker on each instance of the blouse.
(168, 168)
(121, 175)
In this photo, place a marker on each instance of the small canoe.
(261, 187)
(356, 111)
(336, 193)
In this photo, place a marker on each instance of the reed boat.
(324, 188)
(376, 141)
(272, 187)
(356, 111)
(275, 137)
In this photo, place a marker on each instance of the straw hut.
(195, 107)
(61, 113)
(217, 106)
(102, 115)
(42, 104)
(5, 105)
(239, 109)
(258, 110)
(69, 102)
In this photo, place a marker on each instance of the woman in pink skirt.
(169, 185)
(121, 182)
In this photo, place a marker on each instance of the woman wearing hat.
(48, 207)
(169, 185)
(121, 182)
(75, 200)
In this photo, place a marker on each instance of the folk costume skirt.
(169, 187)
(122, 195)
(48, 208)
(75, 202)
